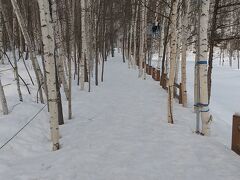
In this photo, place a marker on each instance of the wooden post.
(149, 70)
(157, 75)
(236, 134)
(154, 73)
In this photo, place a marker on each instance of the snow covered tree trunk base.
(206, 121)
(3, 100)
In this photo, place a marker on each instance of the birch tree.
(184, 51)
(3, 99)
(84, 43)
(173, 52)
(142, 37)
(49, 44)
(135, 35)
(59, 48)
(202, 65)
(1, 38)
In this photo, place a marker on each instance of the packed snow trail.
(119, 131)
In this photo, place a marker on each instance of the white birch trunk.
(84, 43)
(135, 37)
(145, 39)
(160, 50)
(88, 39)
(166, 69)
(48, 44)
(63, 80)
(142, 37)
(173, 19)
(160, 36)
(177, 66)
(1, 39)
(15, 62)
(184, 56)
(60, 54)
(130, 46)
(3, 100)
(202, 63)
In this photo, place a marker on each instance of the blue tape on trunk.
(201, 105)
(202, 62)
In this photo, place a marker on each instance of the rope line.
(23, 127)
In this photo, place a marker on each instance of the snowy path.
(119, 132)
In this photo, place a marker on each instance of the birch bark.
(48, 44)
(203, 66)
(173, 45)
(142, 37)
(59, 48)
(184, 53)
(3, 99)
(131, 64)
(135, 36)
(84, 43)
(15, 61)
(145, 39)
(1, 39)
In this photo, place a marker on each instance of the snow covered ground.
(119, 132)
(225, 95)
